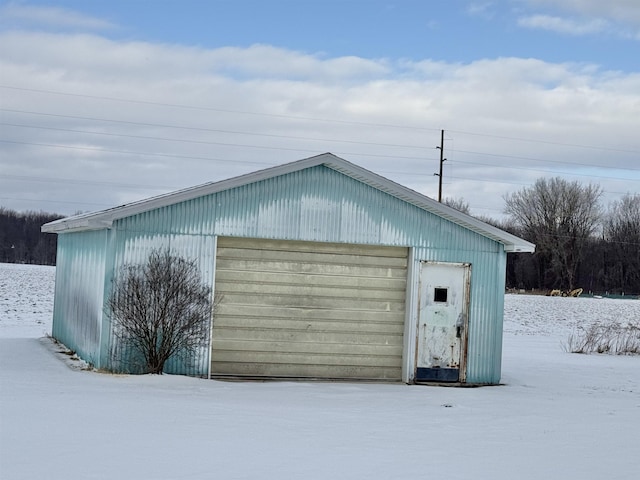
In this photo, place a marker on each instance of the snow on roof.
(105, 218)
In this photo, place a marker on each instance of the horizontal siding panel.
(345, 304)
(329, 267)
(315, 258)
(316, 280)
(326, 336)
(310, 348)
(303, 359)
(244, 315)
(295, 290)
(268, 246)
(295, 370)
(369, 323)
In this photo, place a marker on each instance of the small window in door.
(440, 295)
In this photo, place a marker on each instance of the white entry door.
(442, 322)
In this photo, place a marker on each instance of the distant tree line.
(21, 240)
(579, 243)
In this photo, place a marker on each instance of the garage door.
(309, 310)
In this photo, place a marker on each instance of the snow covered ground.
(558, 416)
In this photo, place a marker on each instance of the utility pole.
(442, 160)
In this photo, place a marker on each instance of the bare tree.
(459, 204)
(622, 231)
(559, 216)
(161, 309)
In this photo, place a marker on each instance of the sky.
(107, 102)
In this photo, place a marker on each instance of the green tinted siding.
(315, 204)
(78, 301)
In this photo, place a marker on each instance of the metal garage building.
(326, 270)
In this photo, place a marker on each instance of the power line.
(189, 157)
(125, 152)
(316, 119)
(534, 159)
(55, 201)
(57, 180)
(74, 181)
(555, 172)
(213, 109)
(546, 142)
(144, 154)
(159, 125)
(263, 164)
(521, 184)
(289, 137)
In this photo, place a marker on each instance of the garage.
(308, 310)
(324, 270)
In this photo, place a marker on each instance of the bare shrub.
(614, 338)
(160, 309)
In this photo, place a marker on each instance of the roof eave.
(83, 224)
(520, 248)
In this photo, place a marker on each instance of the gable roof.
(105, 218)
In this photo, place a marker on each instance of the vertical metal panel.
(317, 204)
(486, 330)
(78, 300)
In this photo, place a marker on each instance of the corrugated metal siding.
(317, 204)
(308, 309)
(78, 300)
(321, 204)
(134, 238)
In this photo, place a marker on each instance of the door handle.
(460, 325)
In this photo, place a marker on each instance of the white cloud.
(481, 9)
(18, 13)
(614, 17)
(564, 25)
(627, 11)
(296, 105)
(77, 55)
